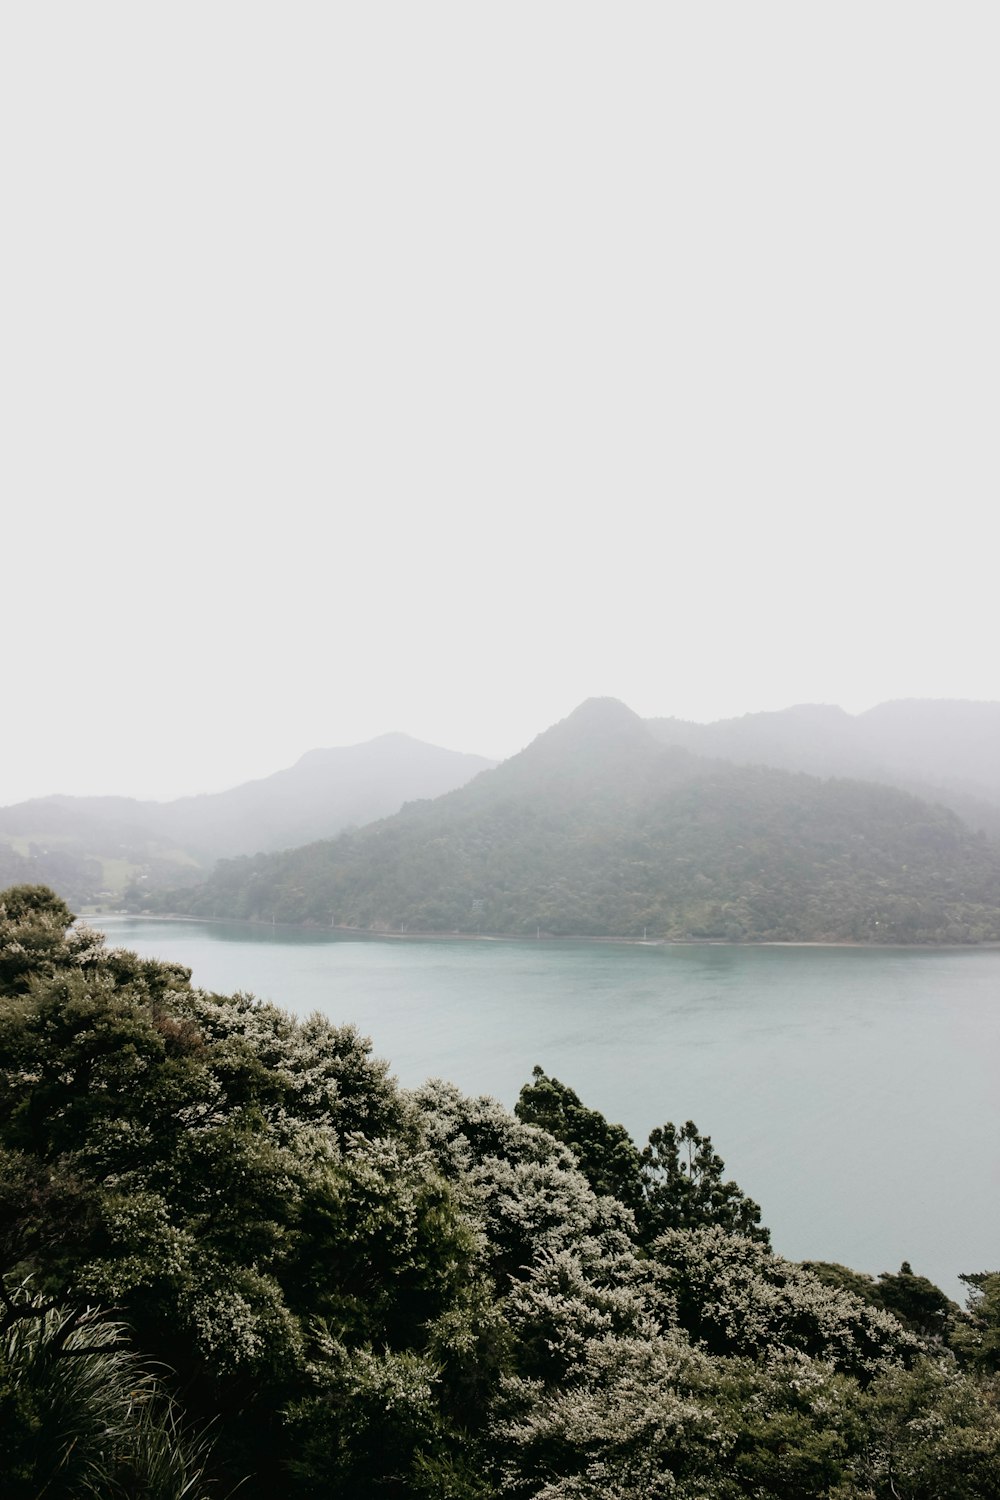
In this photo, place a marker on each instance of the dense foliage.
(598, 829)
(675, 1182)
(324, 1286)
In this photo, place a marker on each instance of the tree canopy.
(234, 1252)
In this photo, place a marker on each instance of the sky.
(378, 366)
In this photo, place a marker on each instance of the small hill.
(598, 828)
(91, 848)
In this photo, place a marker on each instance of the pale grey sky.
(434, 366)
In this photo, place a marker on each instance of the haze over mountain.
(599, 828)
(944, 750)
(82, 845)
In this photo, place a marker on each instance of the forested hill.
(84, 846)
(940, 749)
(599, 829)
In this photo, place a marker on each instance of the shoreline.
(363, 934)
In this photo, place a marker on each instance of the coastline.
(381, 935)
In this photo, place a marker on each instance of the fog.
(432, 368)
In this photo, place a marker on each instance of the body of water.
(853, 1092)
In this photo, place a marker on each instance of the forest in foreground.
(237, 1257)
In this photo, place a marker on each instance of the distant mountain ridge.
(83, 845)
(324, 791)
(944, 750)
(600, 828)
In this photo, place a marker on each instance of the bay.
(851, 1091)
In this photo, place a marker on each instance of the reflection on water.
(851, 1091)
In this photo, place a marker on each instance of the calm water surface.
(853, 1092)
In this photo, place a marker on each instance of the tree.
(737, 1298)
(676, 1182)
(409, 1297)
(36, 937)
(684, 1187)
(932, 1434)
(978, 1338)
(225, 1175)
(918, 1303)
(606, 1153)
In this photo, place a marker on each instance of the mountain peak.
(601, 728)
(821, 712)
(599, 722)
(603, 713)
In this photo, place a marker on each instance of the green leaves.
(736, 1298)
(676, 1182)
(684, 1187)
(81, 1415)
(395, 1296)
(605, 1153)
(977, 1337)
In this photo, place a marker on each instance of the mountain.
(325, 791)
(942, 750)
(599, 828)
(84, 846)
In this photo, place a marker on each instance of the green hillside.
(90, 848)
(599, 829)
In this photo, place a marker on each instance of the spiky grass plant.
(82, 1415)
